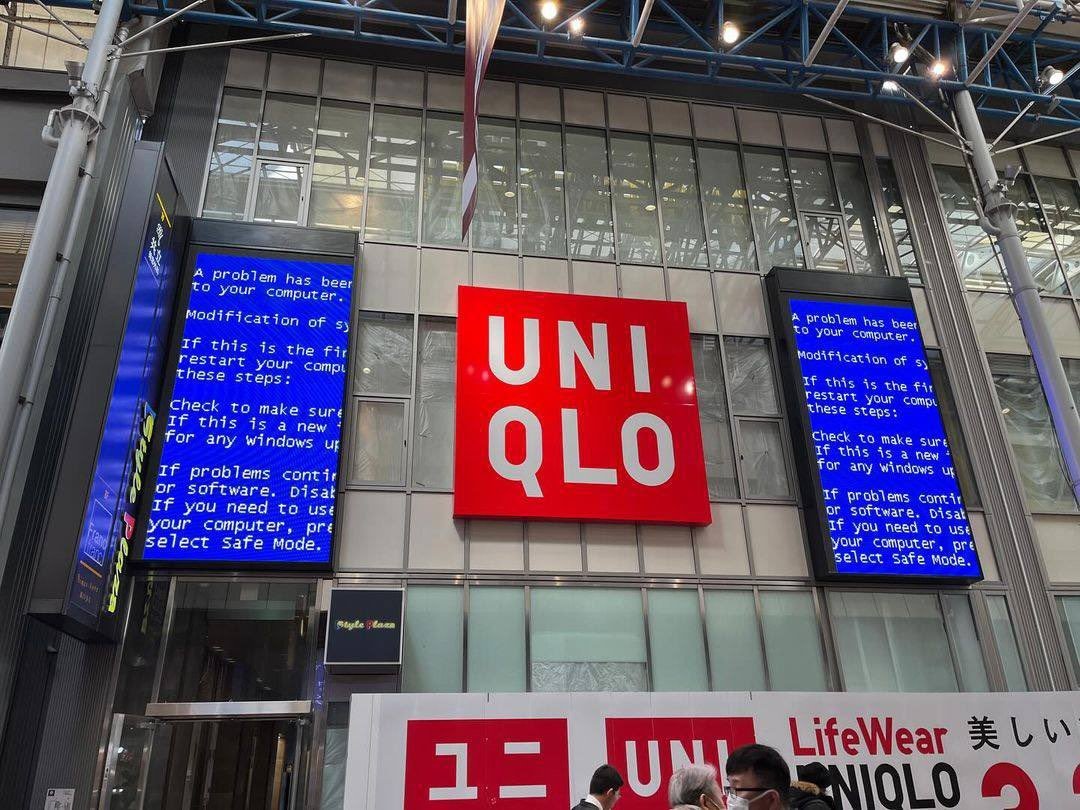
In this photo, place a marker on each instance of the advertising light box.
(576, 407)
(875, 468)
(249, 462)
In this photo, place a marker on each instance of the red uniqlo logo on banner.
(576, 407)
(467, 764)
(647, 750)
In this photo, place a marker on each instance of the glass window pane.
(891, 642)
(543, 221)
(897, 217)
(950, 417)
(278, 193)
(496, 661)
(383, 354)
(378, 443)
(442, 180)
(1031, 433)
(965, 640)
(16, 230)
(231, 160)
(772, 210)
(337, 177)
(433, 640)
(1069, 609)
(588, 195)
(713, 414)
(288, 127)
(1061, 202)
(825, 241)
(495, 223)
(859, 219)
(974, 252)
(587, 640)
(735, 656)
(813, 183)
(763, 463)
(753, 389)
(792, 642)
(731, 240)
(1005, 638)
(393, 175)
(677, 646)
(433, 407)
(1035, 235)
(680, 203)
(635, 199)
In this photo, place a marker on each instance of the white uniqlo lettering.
(633, 770)
(640, 355)
(596, 364)
(460, 789)
(522, 791)
(525, 472)
(530, 363)
(573, 472)
(665, 449)
(681, 759)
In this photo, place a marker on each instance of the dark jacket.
(583, 805)
(805, 796)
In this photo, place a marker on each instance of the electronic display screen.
(888, 493)
(249, 461)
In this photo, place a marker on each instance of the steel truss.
(828, 50)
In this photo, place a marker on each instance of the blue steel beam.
(846, 70)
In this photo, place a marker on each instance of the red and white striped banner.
(481, 26)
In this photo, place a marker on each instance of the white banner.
(537, 751)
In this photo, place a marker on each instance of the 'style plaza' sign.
(575, 407)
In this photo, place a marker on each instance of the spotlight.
(729, 32)
(899, 53)
(1051, 76)
(577, 27)
(939, 68)
(548, 10)
(889, 86)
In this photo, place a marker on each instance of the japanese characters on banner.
(576, 407)
(536, 751)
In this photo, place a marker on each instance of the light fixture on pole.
(1050, 77)
(899, 53)
(938, 68)
(548, 10)
(889, 86)
(729, 32)
(577, 28)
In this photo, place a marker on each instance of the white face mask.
(741, 803)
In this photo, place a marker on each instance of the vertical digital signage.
(875, 469)
(249, 460)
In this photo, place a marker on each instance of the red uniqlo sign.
(648, 750)
(576, 407)
(463, 764)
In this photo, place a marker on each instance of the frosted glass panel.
(433, 640)
(383, 354)
(753, 390)
(1069, 609)
(433, 408)
(587, 639)
(496, 640)
(713, 415)
(891, 642)
(734, 641)
(792, 642)
(676, 642)
(442, 180)
(965, 641)
(378, 451)
(1002, 626)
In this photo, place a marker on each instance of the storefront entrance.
(203, 762)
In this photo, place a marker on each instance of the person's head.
(605, 786)
(695, 786)
(816, 774)
(758, 778)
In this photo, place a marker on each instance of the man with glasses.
(758, 779)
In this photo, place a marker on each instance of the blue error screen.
(889, 491)
(250, 456)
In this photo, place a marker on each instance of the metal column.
(1001, 213)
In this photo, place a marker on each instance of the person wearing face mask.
(758, 779)
(603, 790)
(695, 788)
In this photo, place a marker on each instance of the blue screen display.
(249, 462)
(890, 494)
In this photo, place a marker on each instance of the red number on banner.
(1005, 775)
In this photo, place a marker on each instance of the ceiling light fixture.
(1051, 76)
(577, 27)
(939, 68)
(548, 10)
(729, 32)
(899, 53)
(889, 86)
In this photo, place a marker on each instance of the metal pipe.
(63, 23)
(163, 21)
(204, 45)
(643, 20)
(46, 34)
(830, 24)
(1003, 37)
(78, 127)
(1062, 134)
(1025, 294)
(1011, 124)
